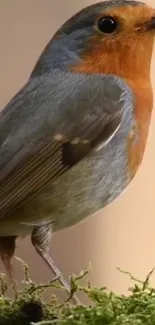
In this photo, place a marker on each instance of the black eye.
(107, 25)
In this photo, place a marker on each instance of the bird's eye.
(107, 25)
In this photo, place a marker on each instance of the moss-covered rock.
(106, 308)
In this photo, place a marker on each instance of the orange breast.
(131, 61)
(143, 105)
(142, 109)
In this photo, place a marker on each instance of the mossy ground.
(107, 308)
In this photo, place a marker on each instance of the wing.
(49, 126)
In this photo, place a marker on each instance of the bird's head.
(114, 36)
(118, 37)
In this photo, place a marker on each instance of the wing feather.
(49, 126)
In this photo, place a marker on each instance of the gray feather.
(72, 105)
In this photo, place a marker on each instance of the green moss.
(106, 308)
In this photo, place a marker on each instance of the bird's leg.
(7, 249)
(41, 238)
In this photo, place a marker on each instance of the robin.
(74, 136)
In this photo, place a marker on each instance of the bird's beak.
(147, 26)
(150, 25)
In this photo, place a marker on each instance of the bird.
(74, 136)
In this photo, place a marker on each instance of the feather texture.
(49, 126)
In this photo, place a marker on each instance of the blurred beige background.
(124, 233)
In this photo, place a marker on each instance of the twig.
(45, 322)
(27, 278)
(147, 280)
(43, 286)
(130, 275)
